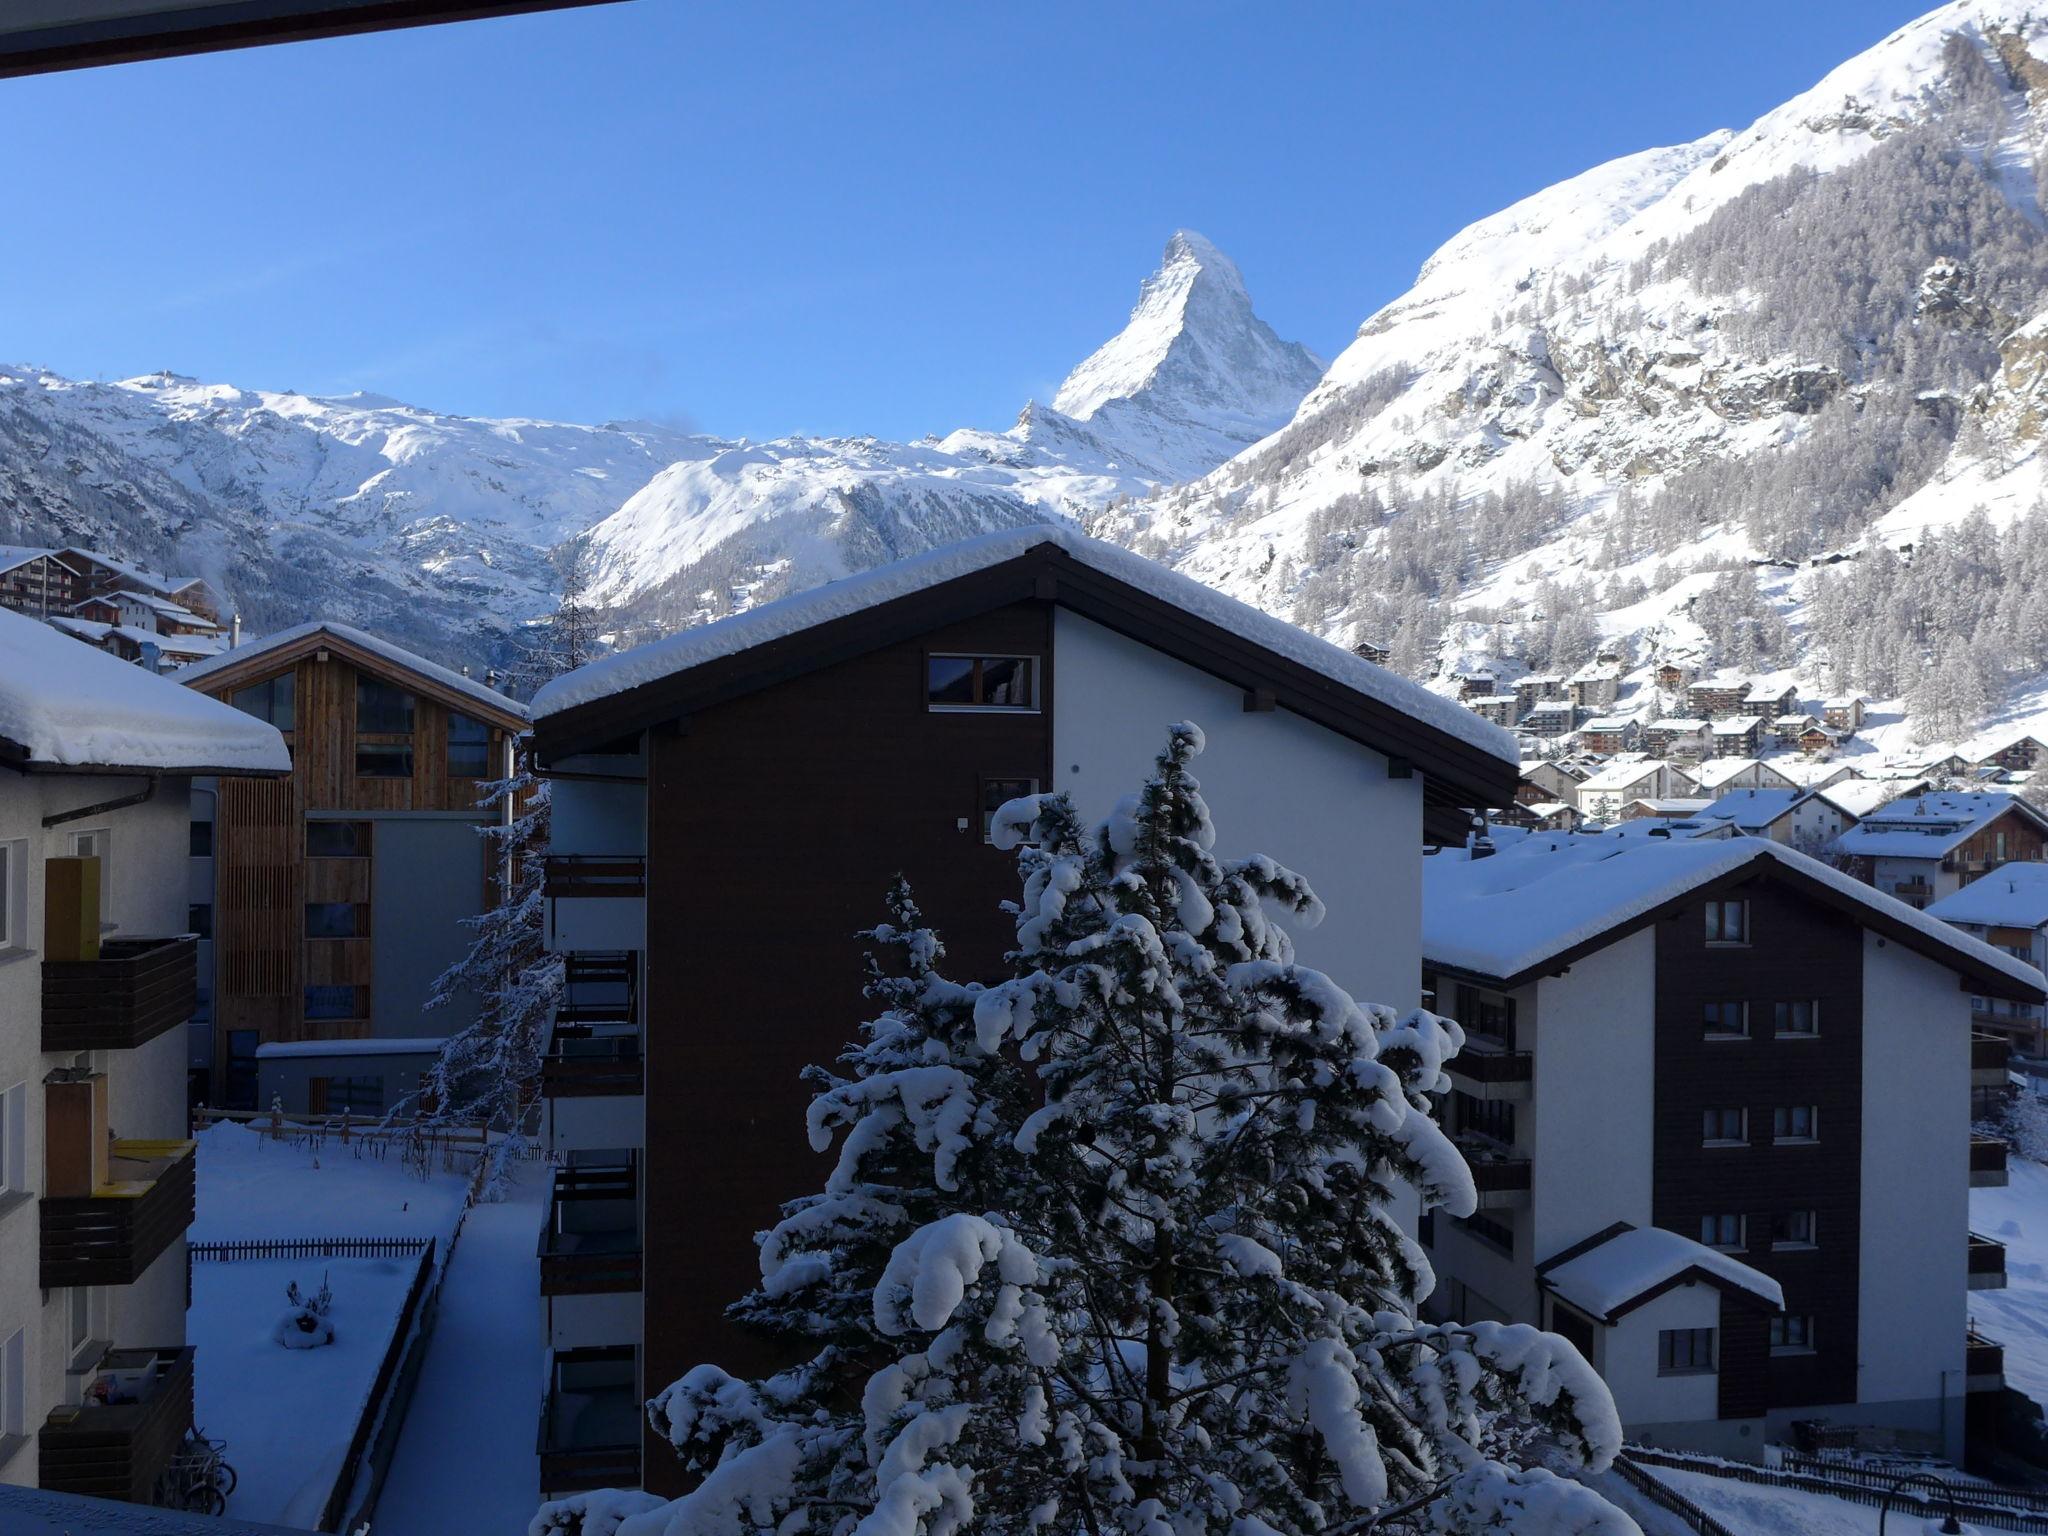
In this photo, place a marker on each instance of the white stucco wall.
(590, 817)
(1276, 784)
(1628, 1362)
(1912, 1293)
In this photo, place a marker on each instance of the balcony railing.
(1989, 1053)
(112, 1235)
(591, 1240)
(1987, 1162)
(590, 1422)
(591, 1060)
(600, 987)
(117, 1443)
(585, 874)
(1987, 1264)
(1983, 1363)
(1483, 1066)
(136, 990)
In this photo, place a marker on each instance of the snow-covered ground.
(2017, 1316)
(1751, 1509)
(466, 1459)
(251, 1187)
(287, 1414)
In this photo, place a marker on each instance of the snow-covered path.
(466, 1459)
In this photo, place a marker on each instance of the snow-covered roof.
(1740, 725)
(1859, 797)
(1764, 693)
(1633, 1265)
(1688, 727)
(66, 705)
(12, 555)
(1609, 723)
(1511, 914)
(1716, 771)
(1539, 680)
(1801, 720)
(1551, 707)
(397, 655)
(1754, 809)
(1673, 806)
(1619, 775)
(855, 594)
(419, 1045)
(1844, 701)
(40, 1512)
(2011, 896)
(1926, 826)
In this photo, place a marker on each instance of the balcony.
(590, 1421)
(1502, 1182)
(577, 875)
(1989, 1055)
(591, 1241)
(1491, 1074)
(112, 1235)
(117, 1443)
(1987, 1163)
(594, 1044)
(1987, 1264)
(596, 902)
(136, 990)
(1983, 1364)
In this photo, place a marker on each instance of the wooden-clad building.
(337, 895)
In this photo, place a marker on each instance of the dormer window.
(963, 682)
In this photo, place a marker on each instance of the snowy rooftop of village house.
(1860, 797)
(1632, 1265)
(1678, 723)
(93, 632)
(398, 655)
(1716, 771)
(12, 555)
(1754, 809)
(1609, 723)
(1620, 775)
(1925, 826)
(1546, 893)
(67, 705)
(1740, 725)
(854, 594)
(2011, 896)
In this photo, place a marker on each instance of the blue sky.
(891, 218)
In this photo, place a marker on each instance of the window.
(981, 682)
(382, 710)
(95, 845)
(336, 920)
(1490, 1018)
(79, 1312)
(1793, 1229)
(1491, 1118)
(335, 1002)
(14, 1140)
(1799, 1017)
(1724, 1231)
(10, 909)
(994, 793)
(1727, 922)
(14, 1384)
(1724, 1127)
(199, 919)
(1792, 1122)
(1425, 1227)
(202, 839)
(354, 1095)
(272, 700)
(1727, 1021)
(1680, 1350)
(338, 839)
(469, 748)
(1792, 1333)
(383, 759)
(238, 1084)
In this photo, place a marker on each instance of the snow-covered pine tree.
(1170, 1298)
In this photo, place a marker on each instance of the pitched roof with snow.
(2011, 896)
(1926, 826)
(1536, 906)
(1740, 725)
(69, 706)
(1859, 797)
(305, 637)
(12, 555)
(1755, 809)
(1098, 580)
(1620, 775)
(1688, 727)
(1617, 1271)
(1609, 723)
(1716, 771)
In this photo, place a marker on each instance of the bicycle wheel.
(224, 1479)
(205, 1499)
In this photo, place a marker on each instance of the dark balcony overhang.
(590, 1243)
(590, 1061)
(117, 1449)
(114, 1234)
(591, 1421)
(1987, 1162)
(1986, 1264)
(579, 875)
(136, 990)
(1983, 1363)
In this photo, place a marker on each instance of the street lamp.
(1950, 1526)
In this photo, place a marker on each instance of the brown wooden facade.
(264, 874)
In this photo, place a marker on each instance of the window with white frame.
(1727, 922)
(1726, 1020)
(1794, 1229)
(1792, 1333)
(1684, 1351)
(1724, 1127)
(1794, 1122)
(1800, 1016)
(1723, 1230)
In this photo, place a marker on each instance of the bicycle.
(198, 1478)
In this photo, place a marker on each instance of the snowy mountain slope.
(1738, 355)
(1194, 377)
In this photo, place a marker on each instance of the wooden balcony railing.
(1986, 1266)
(1987, 1161)
(1483, 1066)
(1501, 1176)
(118, 1442)
(590, 1242)
(590, 1422)
(590, 1061)
(1989, 1053)
(135, 991)
(1983, 1360)
(584, 874)
(112, 1235)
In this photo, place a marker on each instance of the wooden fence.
(383, 1403)
(424, 1143)
(312, 1248)
(1670, 1499)
(1966, 1489)
(1970, 1503)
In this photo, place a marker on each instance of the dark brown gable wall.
(775, 822)
(1798, 949)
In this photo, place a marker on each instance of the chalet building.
(1811, 775)
(2007, 909)
(1551, 782)
(1844, 713)
(1372, 651)
(1679, 738)
(1738, 736)
(1786, 730)
(2017, 754)
(1860, 797)
(1715, 1097)
(1551, 717)
(1472, 685)
(1540, 688)
(1595, 688)
(703, 791)
(1501, 709)
(1719, 698)
(1722, 775)
(1768, 702)
(1671, 676)
(1819, 740)
(1798, 818)
(1675, 808)
(1927, 846)
(336, 896)
(1606, 794)
(1608, 734)
(98, 976)
(37, 582)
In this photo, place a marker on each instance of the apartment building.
(1605, 795)
(2007, 909)
(1922, 847)
(730, 804)
(334, 897)
(98, 975)
(1716, 1101)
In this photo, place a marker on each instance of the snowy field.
(2017, 1316)
(251, 1187)
(287, 1414)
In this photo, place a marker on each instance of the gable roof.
(2011, 896)
(254, 660)
(1464, 759)
(1623, 775)
(1755, 809)
(1926, 826)
(1538, 905)
(1615, 1271)
(12, 555)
